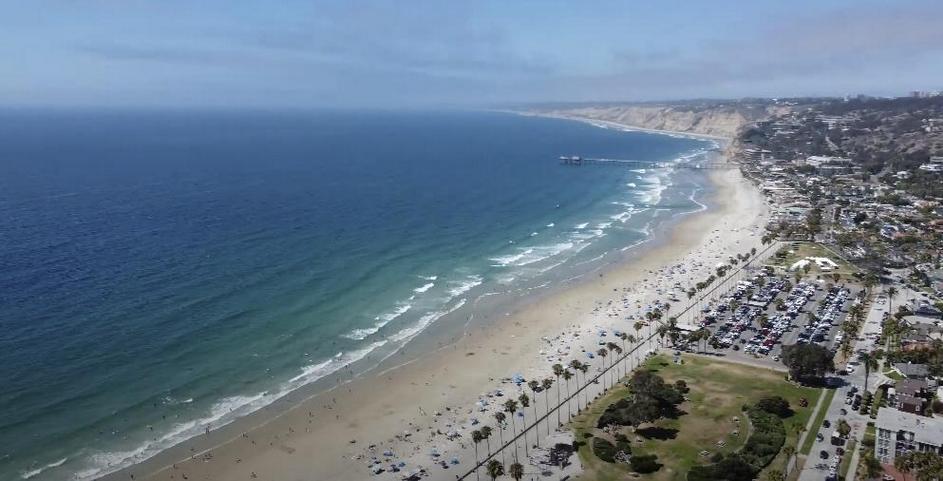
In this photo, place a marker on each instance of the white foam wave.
(381, 320)
(420, 290)
(424, 322)
(532, 255)
(582, 226)
(429, 278)
(465, 286)
(652, 195)
(622, 216)
(587, 235)
(34, 472)
(550, 224)
(504, 261)
(220, 414)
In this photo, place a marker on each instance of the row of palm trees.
(495, 469)
(514, 407)
(609, 376)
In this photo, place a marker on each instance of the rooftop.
(912, 370)
(925, 429)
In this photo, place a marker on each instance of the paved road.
(815, 467)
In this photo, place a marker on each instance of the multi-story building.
(900, 433)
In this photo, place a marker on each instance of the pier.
(644, 164)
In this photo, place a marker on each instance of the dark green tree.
(808, 363)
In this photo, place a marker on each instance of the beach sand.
(333, 435)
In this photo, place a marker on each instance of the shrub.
(767, 439)
(775, 405)
(644, 464)
(731, 468)
(622, 444)
(604, 450)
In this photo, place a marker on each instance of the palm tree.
(775, 475)
(486, 435)
(904, 464)
(602, 352)
(575, 365)
(870, 280)
(662, 331)
(476, 438)
(789, 450)
(631, 340)
(584, 368)
(495, 469)
(534, 384)
(558, 371)
(870, 362)
(624, 337)
(516, 471)
(613, 347)
(638, 328)
(845, 348)
(546, 384)
(525, 403)
(673, 331)
(500, 417)
(891, 292)
(871, 466)
(567, 375)
(510, 407)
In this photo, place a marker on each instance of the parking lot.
(761, 314)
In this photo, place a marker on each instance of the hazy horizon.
(384, 54)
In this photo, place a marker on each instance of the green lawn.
(817, 424)
(808, 249)
(718, 391)
(846, 459)
(893, 375)
(876, 404)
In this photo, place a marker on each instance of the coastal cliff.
(717, 119)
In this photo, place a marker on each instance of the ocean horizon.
(166, 273)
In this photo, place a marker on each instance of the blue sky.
(281, 54)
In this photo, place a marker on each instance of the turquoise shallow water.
(164, 273)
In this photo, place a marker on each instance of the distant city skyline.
(389, 54)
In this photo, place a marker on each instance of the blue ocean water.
(163, 273)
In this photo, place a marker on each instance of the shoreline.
(197, 455)
(291, 426)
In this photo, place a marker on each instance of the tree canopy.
(650, 399)
(808, 363)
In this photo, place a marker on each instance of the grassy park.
(793, 252)
(711, 418)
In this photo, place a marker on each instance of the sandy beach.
(421, 413)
